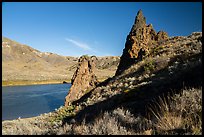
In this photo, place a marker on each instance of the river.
(32, 100)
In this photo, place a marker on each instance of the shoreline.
(36, 82)
(27, 82)
(33, 82)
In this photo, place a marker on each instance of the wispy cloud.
(81, 45)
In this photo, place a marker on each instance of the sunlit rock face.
(84, 79)
(138, 42)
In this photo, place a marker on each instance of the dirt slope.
(21, 62)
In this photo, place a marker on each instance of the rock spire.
(138, 42)
(83, 79)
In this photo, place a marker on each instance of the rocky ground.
(159, 92)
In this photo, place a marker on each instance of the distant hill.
(22, 62)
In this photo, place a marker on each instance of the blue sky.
(93, 28)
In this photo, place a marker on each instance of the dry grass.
(27, 126)
(105, 124)
(177, 115)
(180, 114)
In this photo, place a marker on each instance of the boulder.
(161, 35)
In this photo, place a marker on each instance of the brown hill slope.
(21, 62)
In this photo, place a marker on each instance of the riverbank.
(28, 82)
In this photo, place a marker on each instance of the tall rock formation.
(138, 42)
(83, 79)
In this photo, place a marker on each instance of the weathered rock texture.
(83, 79)
(138, 42)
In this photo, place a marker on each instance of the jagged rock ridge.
(138, 42)
(83, 79)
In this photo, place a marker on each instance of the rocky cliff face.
(138, 42)
(83, 79)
